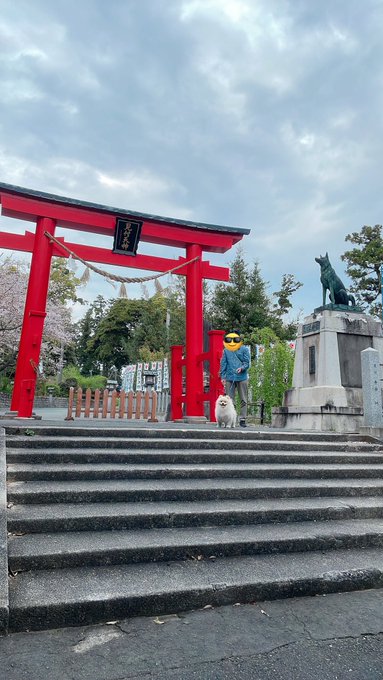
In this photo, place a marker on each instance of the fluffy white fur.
(225, 412)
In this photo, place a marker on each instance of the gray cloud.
(263, 115)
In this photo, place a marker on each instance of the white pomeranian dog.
(225, 413)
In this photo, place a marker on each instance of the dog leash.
(232, 390)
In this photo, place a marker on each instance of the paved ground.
(333, 637)
(56, 416)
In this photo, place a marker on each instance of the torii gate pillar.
(194, 333)
(33, 322)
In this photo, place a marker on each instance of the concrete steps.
(91, 548)
(64, 471)
(61, 517)
(127, 490)
(39, 431)
(221, 443)
(43, 599)
(104, 524)
(180, 457)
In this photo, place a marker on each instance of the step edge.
(162, 602)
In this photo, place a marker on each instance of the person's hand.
(239, 370)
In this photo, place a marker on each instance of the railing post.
(69, 415)
(153, 415)
(88, 397)
(79, 402)
(96, 403)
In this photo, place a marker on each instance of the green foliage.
(174, 296)
(85, 331)
(289, 286)
(146, 355)
(271, 375)
(363, 266)
(112, 341)
(244, 304)
(150, 328)
(124, 331)
(71, 372)
(84, 335)
(63, 283)
(95, 382)
(133, 329)
(6, 386)
(40, 390)
(52, 388)
(72, 377)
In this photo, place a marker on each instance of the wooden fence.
(105, 404)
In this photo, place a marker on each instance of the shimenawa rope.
(113, 277)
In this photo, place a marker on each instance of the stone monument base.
(327, 390)
(318, 418)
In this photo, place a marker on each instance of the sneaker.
(242, 423)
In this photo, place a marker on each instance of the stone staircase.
(105, 524)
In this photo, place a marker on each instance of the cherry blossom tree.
(57, 327)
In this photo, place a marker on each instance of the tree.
(271, 374)
(57, 330)
(150, 333)
(244, 304)
(63, 283)
(113, 341)
(175, 322)
(85, 330)
(289, 286)
(84, 335)
(364, 264)
(117, 332)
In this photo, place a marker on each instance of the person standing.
(235, 363)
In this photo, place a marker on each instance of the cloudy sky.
(264, 114)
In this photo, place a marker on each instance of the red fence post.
(33, 322)
(176, 382)
(215, 383)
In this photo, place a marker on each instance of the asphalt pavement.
(332, 637)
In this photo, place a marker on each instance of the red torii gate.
(49, 211)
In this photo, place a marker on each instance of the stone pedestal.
(327, 383)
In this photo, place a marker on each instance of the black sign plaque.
(126, 236)
(312, 327)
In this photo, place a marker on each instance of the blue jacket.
(231, 361)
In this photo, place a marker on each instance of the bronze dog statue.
(331, 282)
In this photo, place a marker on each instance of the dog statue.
(225, 413)
(331, 282)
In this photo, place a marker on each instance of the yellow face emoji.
(232, 342)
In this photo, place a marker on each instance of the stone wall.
(39, 402)
(5, 400)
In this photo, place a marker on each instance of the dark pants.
(242, 387)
